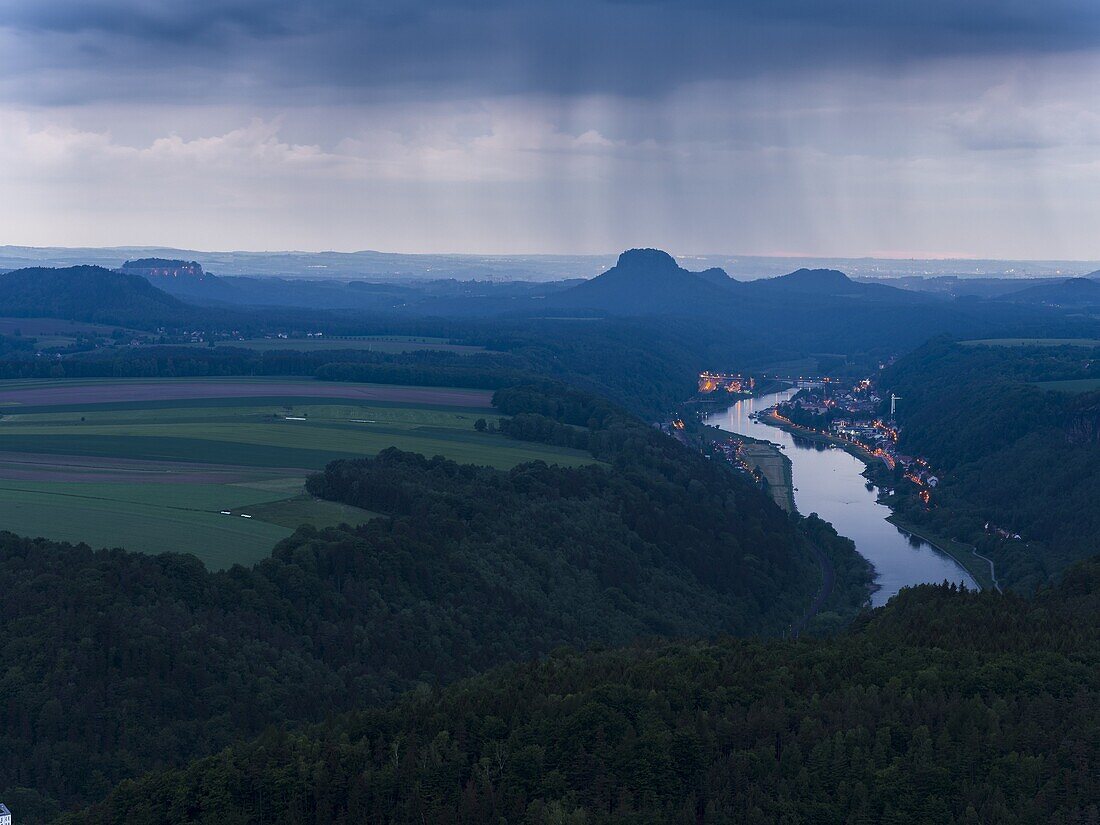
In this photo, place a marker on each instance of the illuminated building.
(733, 383)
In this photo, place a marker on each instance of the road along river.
(829, 482)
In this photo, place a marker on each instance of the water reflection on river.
(829, 482)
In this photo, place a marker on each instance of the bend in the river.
(830, 482)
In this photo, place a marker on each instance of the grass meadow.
(181, 474)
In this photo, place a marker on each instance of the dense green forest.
(942, 707)
(89, 293)
(451, 660)
(1010, 454)
(644, 358)
(426, 367)
(646, 366)
(124, 662)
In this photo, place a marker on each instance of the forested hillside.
(942, 707)
(816, 310)
(125, 662)
(122, 664)
(1010, 454)
(639, 333)
(645, 366)
(89, 293)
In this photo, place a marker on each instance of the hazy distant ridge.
(401, 266)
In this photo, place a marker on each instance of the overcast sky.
(927, 128)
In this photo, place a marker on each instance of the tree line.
(1009, 454)
(944, 706)
(120, 663)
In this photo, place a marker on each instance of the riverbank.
(772, 418)
(715, 402)
(776, 468)
(847, 577)
(979, 567)
(833, 484)
(773, 464)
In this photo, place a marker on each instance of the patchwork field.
(215, 467)
(35, 393)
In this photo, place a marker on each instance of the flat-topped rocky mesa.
(163, 268)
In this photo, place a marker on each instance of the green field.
(182, 518)
(1073, 386)
(1033, 342)
(304, 509)
(156, 475)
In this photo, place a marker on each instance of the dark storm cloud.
(101, 49)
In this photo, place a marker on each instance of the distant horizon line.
(679, 256)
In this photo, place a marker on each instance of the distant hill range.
(650, 282)
(188, 281)
(366, 264)
(646, 282)
(1069, 293)
(716, 275)
(830, 283)
(818, 310)
(164, 268)
(816, 281)
(89, 293)
(374, 265)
